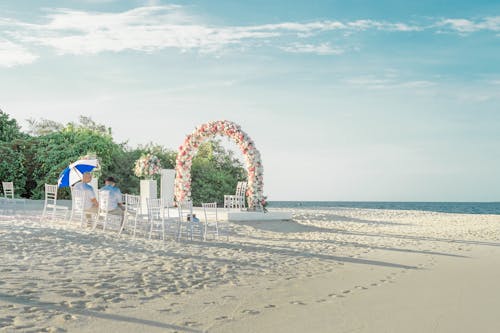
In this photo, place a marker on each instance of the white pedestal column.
(148, 190)
(167, 186)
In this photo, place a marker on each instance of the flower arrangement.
(147, 166)
(229, 129)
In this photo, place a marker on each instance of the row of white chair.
(157, 221)
(182, 222)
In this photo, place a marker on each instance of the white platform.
(258, 216)
(235, 215)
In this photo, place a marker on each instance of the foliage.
(30, 161)
(215, 172)
(43, 126)
(9, 129)
(57, 150)
(12, 165)
(12, 159)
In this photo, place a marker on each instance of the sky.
(345, 100)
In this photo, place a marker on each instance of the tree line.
(33, 158)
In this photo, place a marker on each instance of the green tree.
(12, 159)
(9, 129)
(12, 165)
(43, 126)
(55, 151)
(215, 172)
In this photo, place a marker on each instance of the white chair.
(8, 192)
(188, 221)
(50, 205)
(103, 215)
(156, 217)
(238, 199)
(132, 211)
(211, 219)
(78, 198)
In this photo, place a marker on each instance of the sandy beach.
(331, 270)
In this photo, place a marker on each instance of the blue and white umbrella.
(74, 172)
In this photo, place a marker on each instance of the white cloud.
(152, 28)
(13, 54)
(468, 26)
(157, 27)
(388, 82)
(371, 24)
(320, 49)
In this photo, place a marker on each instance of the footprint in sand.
(251, 312)
(191, 323)
(322, 300)
(165, 310)
(333, 295)
(222, 318)
(297, 303)
(346, 291)
(228, 296)
(270, 306)
(360, 288)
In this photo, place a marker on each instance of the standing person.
(91, 203)
(115, 204)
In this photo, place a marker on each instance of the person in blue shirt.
(115, 203)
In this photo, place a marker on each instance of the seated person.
(91, 203)
(115, 204)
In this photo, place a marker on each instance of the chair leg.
(179, 230)
(163, 229)
(123, 225)
(135, 226)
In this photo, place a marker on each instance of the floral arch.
(208, 130)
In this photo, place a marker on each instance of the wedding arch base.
(238, 215)
(241, 216)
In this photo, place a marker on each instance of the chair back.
(50, 205)
(78, 200)
(241, 189)
(132, 204)
(210, 210)
(155, 209)
(50, 194)
(103, 202)
(8, 190)
(185, 209)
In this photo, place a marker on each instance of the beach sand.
(331, 270)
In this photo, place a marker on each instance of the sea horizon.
(456, 207)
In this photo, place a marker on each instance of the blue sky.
(346, 100)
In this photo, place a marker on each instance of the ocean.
(442, 207)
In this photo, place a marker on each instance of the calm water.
(443, 207)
